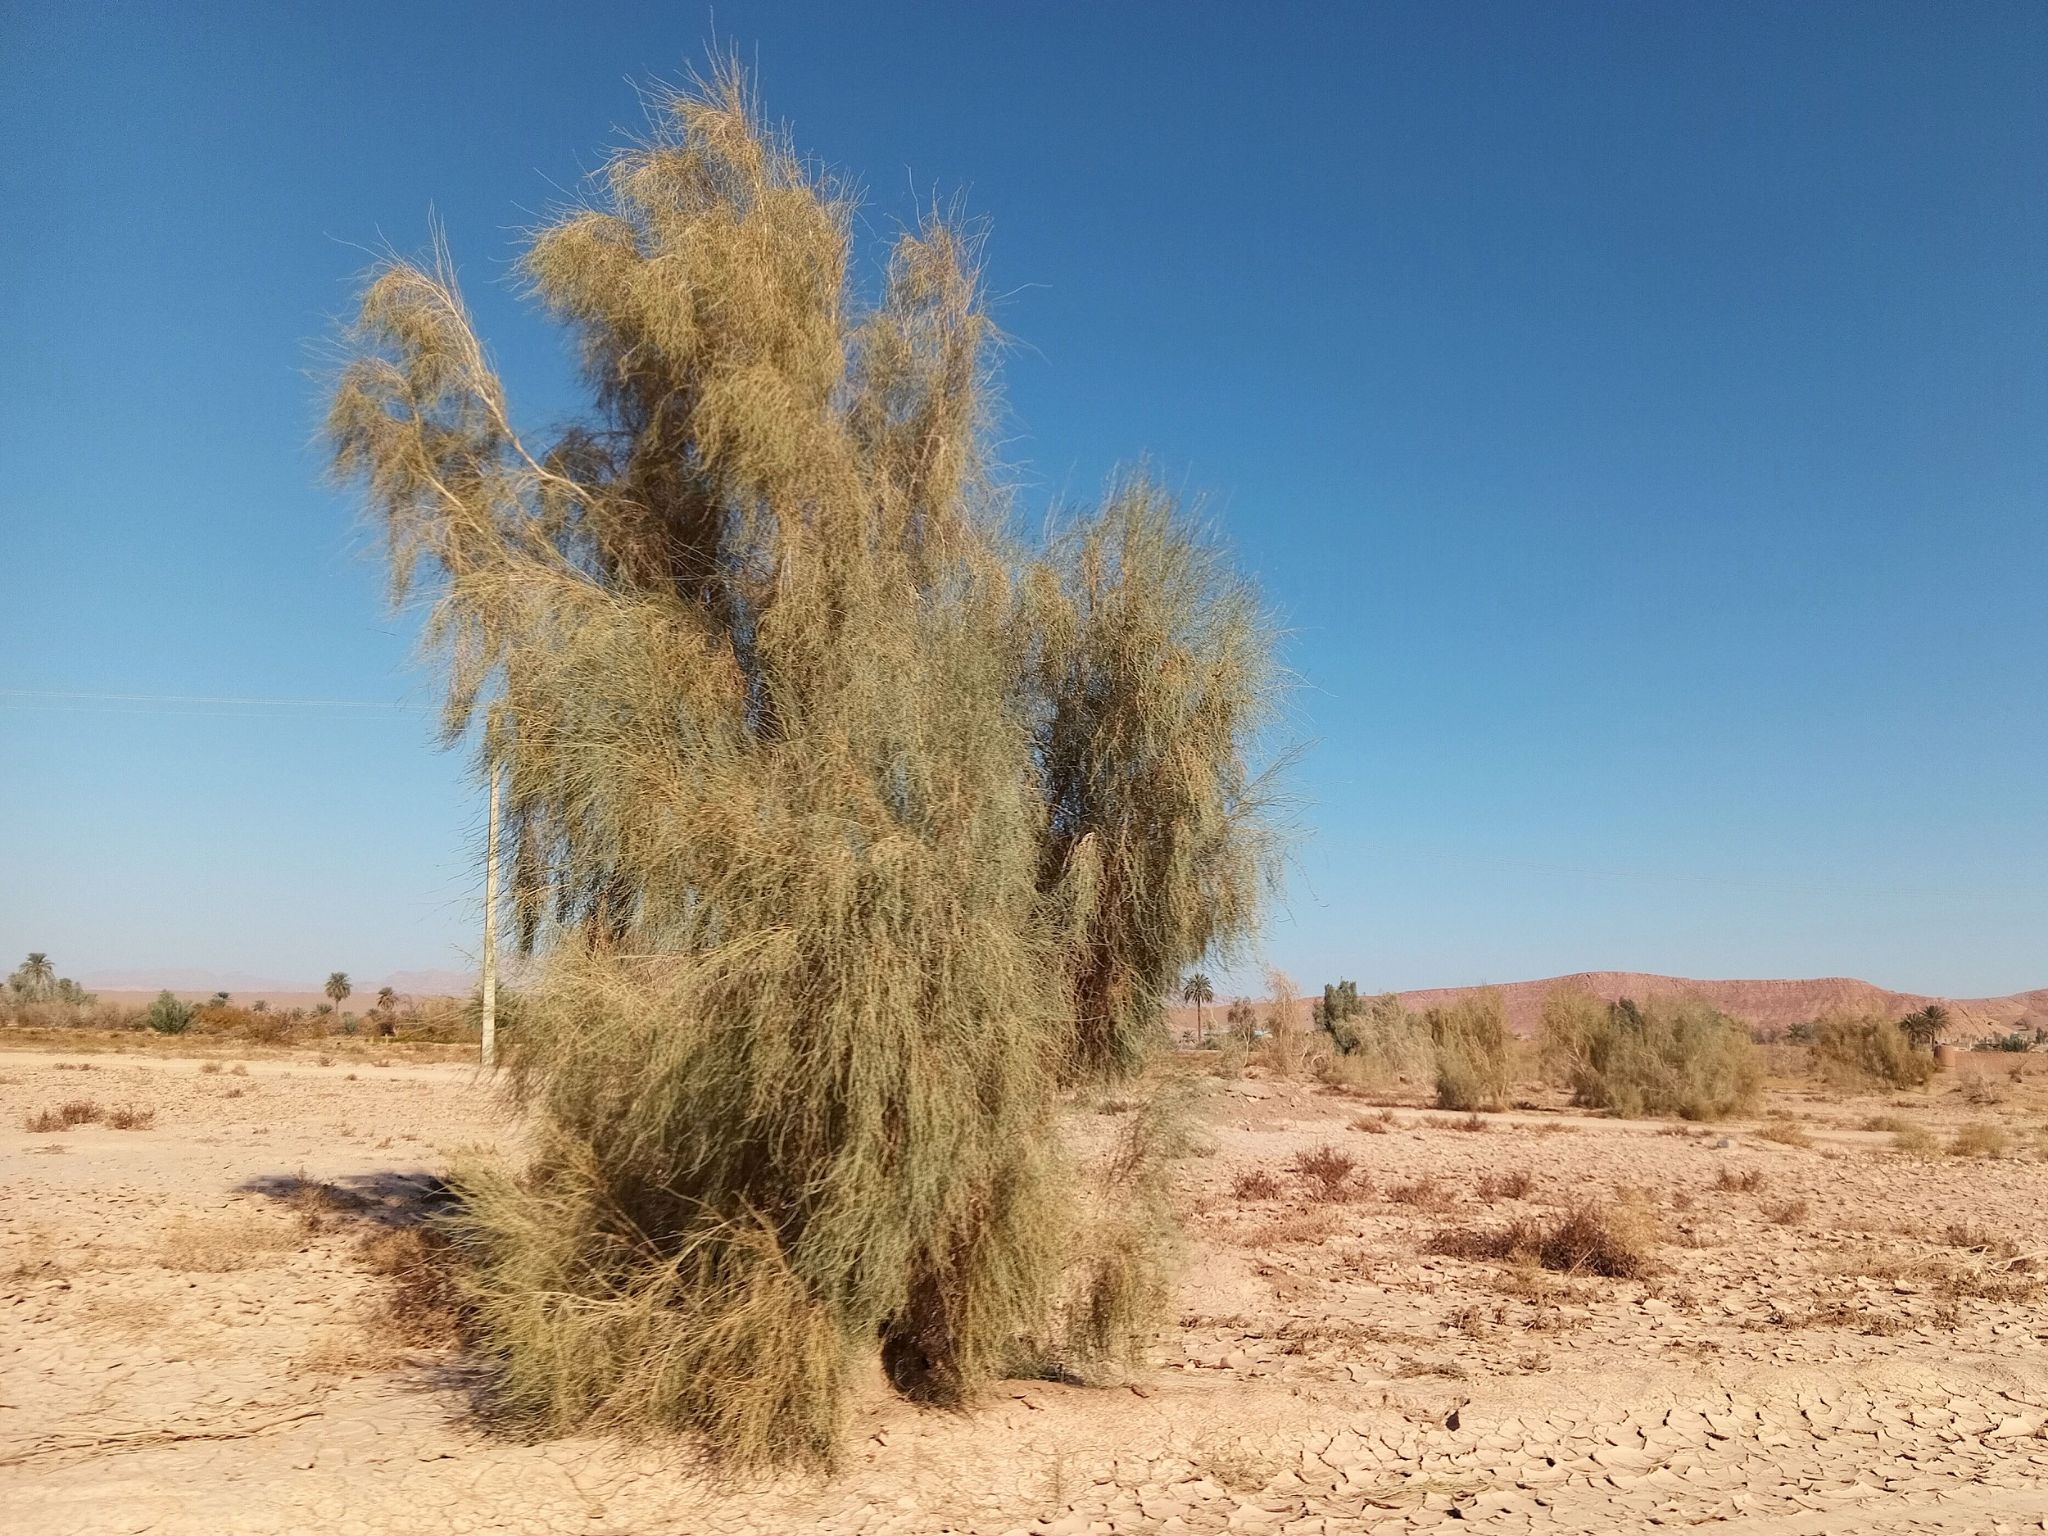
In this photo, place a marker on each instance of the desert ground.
(1834, 1335)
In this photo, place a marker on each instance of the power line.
(65, 701)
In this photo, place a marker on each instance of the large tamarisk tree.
(844, 828)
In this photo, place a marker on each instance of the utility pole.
(490, 1055)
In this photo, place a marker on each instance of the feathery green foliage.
(1857, 1050)
(844, 830)
(1669, 1056)
(1470, 1037)
(168, 1016)
(1154, 664)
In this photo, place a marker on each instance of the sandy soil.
(192, 1348)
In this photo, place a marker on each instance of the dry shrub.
(1423, 1193)
(1787, 1213)
(845, 829)
(1745, 1182)
(1915, 1140)
(1867, 1050)
(1376, 1124)
(79, 1112)
(1980, 1092)
(1326, 1172)
(44, 1121)
(208, 1069)
(128, 1117)
(1506, 1186)
(1669, 1056)
(424, 1306)
(1980, 1138)
(1256, 1184)
(1466, 1123)
(1470, 1040)
(1886, 1123)
(1968, 1234)
(1786, 1132)
(1590, 1239)
(1292, 1229)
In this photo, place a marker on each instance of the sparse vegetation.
(1669, 1056)
(1742, 1181)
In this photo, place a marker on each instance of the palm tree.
(387, 998)
(337, 988)
(36, 976)
(1196, 990)
(1926, 1027)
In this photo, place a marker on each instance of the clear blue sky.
(1636, 413)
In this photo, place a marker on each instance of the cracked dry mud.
(1855, 1345)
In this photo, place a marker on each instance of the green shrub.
(1387, 1043)
(1666, 1057)
(1862, 1049)
(168, 1016)
(1470, 1041)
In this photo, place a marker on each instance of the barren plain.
(1841, 1329)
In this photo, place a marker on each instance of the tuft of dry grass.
(1915, 1141)
(1377, 1124)
(1746, 1181)
(1506, 1186)
(1234, 1467)
(1886, 1123)
(1980, 1138)
(1327, 1173)
(1424, 1194)
(1787, 1213)
(1786, 1133)
(1592, 1238)
(129, 1117)
(1256, 1184)
(1472, 1122)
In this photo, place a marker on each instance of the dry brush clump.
(1668, 1056)
(846, 830)
(1868, 1050)
(1469, 1039)
(1592, 1238)
(1330, 1175)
